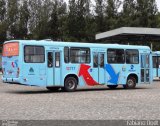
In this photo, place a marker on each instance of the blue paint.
(113, 75)
(31, 70)
(16, 63)
(132, 67)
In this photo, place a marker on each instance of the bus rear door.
(53, 68)
(98, 67)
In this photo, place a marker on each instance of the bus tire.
(53, 88)
(70, 84)
(131, 83)
(112, 86)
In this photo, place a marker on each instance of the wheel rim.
(130, 83)
(71, 84)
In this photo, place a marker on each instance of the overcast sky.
(158, 3)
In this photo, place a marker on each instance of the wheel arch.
(133, 75)
(72, 75)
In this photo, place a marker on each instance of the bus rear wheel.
(112, 86)
(53, 88)
(131, 83)
(70, 84)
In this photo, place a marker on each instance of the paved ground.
(22, 102)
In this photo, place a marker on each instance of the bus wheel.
(131, 83)
(112, 86)
(53, 88)
(70, 84)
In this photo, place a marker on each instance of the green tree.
(112, 14)
(37, 22)
(90, 23)
(62, 20)
(12, 18)
(99, 15)
(3, 22)
(158, 19)
(24, 16)
(128, 13)
(72, 28)
(76, 20)
(146, 13)
(57, 20)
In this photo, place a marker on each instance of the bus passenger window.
(115, 56)
(101, 60)
(80, 55)
(132, 56)
(158, 62)
(57, 59)
(95, 60)
(155, 65)
(50, 59)
(34, 54)
(147, 61)
(66, 54)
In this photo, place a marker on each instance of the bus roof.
(77, 44)
(156, 52)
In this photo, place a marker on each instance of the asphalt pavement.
(19, 102)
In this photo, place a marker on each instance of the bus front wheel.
(70, 84)
(131, 83)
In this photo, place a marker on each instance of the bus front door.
(156, 66)
(53, 68)
(98, 66)
(145, 68)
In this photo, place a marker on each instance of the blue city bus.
(156, 64)
(66, 65)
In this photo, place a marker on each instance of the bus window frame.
(116, 55)
(67, 54)
(57, 59)
(81, 49)
(126, 56)
(34, 46)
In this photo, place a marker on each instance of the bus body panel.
(41, 74)
(11, 65)
(156, 64)
(11, 62)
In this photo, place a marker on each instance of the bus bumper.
(10, 80)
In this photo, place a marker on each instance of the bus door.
(145, 68)
(156, 66)
(98, 66)
(53, 68)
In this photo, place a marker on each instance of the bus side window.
(101, 60)
(50, 59)
(95, 60)
(66, 54)
(57, 59)
(155, 65)
(158, 62)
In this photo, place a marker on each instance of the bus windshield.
(11, 49)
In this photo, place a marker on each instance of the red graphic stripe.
(86, 76)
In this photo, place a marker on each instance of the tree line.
(77, 20)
